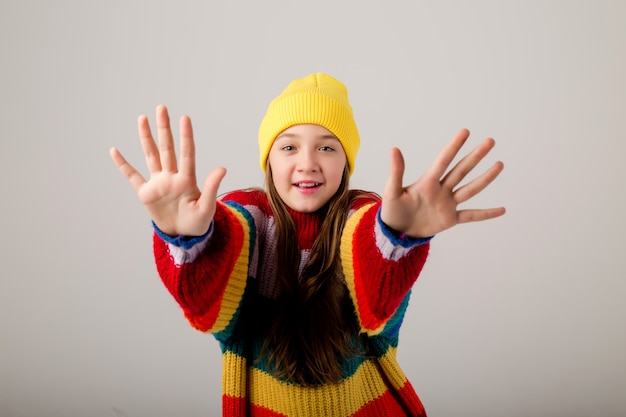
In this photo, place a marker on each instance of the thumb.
(210, 188)
(393, 188)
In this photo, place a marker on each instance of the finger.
(150, 150)
(166, 140)
(467, 164)
(477, 215)
(394, 187)
(210, 188)
(187, 148)
(477, 185)
(447, 154)
(131, 174)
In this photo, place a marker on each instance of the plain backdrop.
(520, 316)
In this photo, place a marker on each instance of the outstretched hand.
(430, 205)
(171, 195)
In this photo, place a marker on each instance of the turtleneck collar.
(308, 226)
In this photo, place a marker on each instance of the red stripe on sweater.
(233, 406)
(199, 286)
(251, 197)
(387, 405)
(381, 284)
(236, 407)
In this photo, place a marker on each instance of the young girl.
(303, 284)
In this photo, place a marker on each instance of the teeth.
(308, 184)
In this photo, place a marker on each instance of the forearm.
(380, 267)
(207, 279)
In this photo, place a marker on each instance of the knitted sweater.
(222, 279)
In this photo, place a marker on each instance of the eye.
(327, 148)
(288, 148)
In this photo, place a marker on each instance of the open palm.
(430, 205)
(171, 195)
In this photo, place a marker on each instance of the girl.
(304, 284)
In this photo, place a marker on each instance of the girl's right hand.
(171, 195)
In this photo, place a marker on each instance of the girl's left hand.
(430, 205)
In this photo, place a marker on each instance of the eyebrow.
(293, 135)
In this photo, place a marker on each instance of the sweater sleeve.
(380, 269)
(208, 278)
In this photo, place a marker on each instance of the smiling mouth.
(307, 184)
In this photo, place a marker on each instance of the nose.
(307, 160)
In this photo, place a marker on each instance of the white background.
(521, 316)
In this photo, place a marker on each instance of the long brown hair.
(314, 325)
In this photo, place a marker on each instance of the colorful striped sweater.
(218, 280)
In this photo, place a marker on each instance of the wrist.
(183, 241)
(400, 238)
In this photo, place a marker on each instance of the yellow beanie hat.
(315, 99)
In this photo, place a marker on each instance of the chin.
(305, 208)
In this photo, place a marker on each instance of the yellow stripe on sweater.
(342, 399)
(237, 280)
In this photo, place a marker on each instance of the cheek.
(279, 176)
(336, 176)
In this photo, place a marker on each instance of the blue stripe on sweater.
(400, 239)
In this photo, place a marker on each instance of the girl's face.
(307, 163)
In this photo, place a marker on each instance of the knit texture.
(315, 99)
(225, 282)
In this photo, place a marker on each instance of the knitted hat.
(315, 99)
